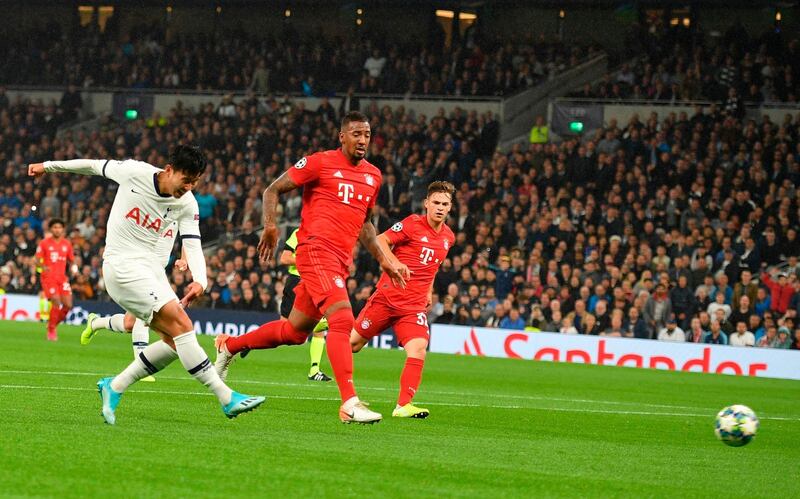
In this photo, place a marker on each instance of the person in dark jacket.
(682, 302)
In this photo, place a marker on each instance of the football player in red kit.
(340, 188)
(421, 243)
(52, 255)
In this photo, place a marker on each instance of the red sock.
(410, 380)
(340, 354)
(64, 312)
(270, 335)
(55, 316)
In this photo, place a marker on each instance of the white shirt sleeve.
(79, 166)
(189, 223)
(189, 229)
(118, 171)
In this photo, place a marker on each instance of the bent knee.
(341, 320)
(292, 335)
(357, 342)
(416, 349)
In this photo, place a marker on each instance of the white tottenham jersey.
(143, 222)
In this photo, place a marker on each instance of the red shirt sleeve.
(401, 231)
(39, 251)
(306, 170)
(70, 252)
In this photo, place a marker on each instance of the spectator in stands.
(742, 337)
(719, 304)
(755, 326)
(71, 104)
(742, 311)
(567, 326)
(589, 325)
(784, 338)
(671, 332)
(781, 291)
(636, 327)
(696, 333)
(716, 335)
(657, 309)
(795, 343)
(513, 320)
(770, 339)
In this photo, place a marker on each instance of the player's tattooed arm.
(378, 246)
(269, 237)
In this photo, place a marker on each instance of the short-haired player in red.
(421, 243)
(340, 188)
(53, 254)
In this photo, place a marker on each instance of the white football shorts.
(138, 286)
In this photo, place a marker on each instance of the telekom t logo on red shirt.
(346, 192)
(426, 255)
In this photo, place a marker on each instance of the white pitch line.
(385, 389)
(443, 404)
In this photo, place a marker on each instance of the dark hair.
(188, 159)
(351, 116)
(441, 186)
(56, 221)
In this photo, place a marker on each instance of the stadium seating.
(480, 66)
(606, 220)
(677, 66)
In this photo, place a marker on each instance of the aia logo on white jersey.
(136, 215)
(142, 219)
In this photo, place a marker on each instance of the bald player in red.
(421, 243)
(53, 254)
(340, 188)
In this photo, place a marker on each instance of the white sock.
(195, 361)
(149, 361)
(140, 336)
(114, 323)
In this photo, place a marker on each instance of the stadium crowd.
(666, 227)
(681, 65)
(477, 65)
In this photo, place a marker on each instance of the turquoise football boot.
(109, 398)
(241, 403)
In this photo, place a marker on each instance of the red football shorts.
(56, 287)
(378, 315)
(323, 281)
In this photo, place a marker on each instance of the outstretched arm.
(269, 237)
(80, 166)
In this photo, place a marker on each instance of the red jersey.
(336, 199)
(423, 250)
(54, 256)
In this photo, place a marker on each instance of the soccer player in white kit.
(147, 202)
(127, 322)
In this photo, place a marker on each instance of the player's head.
(186, 166)
(439, 201)
(355, 135)
(56, 227)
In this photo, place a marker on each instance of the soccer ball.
(736, 425)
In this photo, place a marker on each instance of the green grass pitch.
(497, 428)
